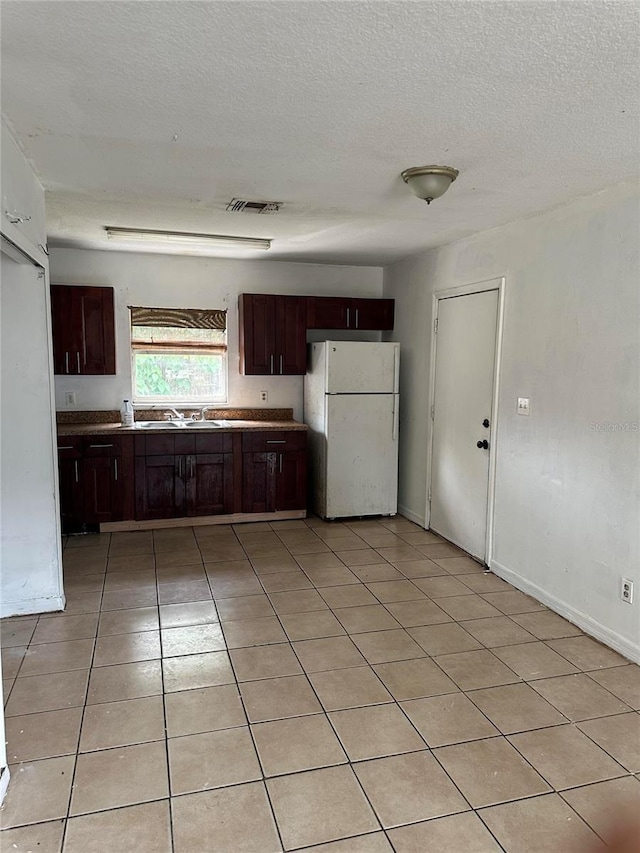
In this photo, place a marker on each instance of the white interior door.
(464, 379)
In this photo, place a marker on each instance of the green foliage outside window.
(179, 376)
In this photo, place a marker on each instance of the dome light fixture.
(429, 182)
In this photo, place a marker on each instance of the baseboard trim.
(4, 783)
(576, 617)
(32, 605)
(411, 516)
(201, 520)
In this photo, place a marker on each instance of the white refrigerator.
(351, 409)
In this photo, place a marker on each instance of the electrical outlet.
(523, 406)
(70, 398)
(626, 590)
(264, 396)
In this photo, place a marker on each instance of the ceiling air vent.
(241, 205)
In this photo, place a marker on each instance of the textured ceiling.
(155, 114)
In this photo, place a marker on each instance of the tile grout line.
(82, 715)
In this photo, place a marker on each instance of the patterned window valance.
(179, 318)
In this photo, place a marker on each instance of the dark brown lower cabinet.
(103, 497)
(274, 471)
(209, 484)
(291, 482)
(160, 491)
(196, 478)
(96, 480)
(71, 499)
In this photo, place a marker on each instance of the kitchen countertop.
(233, 426)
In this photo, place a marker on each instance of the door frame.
(498, 284)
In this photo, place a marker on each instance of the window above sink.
(178, 355)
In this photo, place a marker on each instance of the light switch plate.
(523, 405)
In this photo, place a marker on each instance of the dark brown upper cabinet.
(339, 312)
(83, 330)
(272, 334)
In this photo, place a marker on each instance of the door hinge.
(433, 412)
(429, 495)
(435, 326)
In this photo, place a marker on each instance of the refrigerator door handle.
(396, 418)
(396, 371)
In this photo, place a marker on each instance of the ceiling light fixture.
(185, 238)
(429, 182)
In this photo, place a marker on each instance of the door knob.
(483, 445)
(485, 423)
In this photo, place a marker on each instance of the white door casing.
(463, 396)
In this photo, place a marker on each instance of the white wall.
(170, 281)
(567, 509)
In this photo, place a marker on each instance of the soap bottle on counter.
(126, 413)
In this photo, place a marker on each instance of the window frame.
(182, 349)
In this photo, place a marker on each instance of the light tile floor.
(356, 687)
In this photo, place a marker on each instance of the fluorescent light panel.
(185, 238)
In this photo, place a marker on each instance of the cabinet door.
(372, 314)
(259, 482)
(97, 352)
(71, 503)
(328, 312)
(160, 491)
(291, 488)
(257, 334)
(83, 330)
(102, 492)
(64, 327)
(209, 485)
(291, 335)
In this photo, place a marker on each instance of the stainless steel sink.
(181, 424)
(207, 424)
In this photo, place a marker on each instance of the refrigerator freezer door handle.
(396, 417)
(396, 371)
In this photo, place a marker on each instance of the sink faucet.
(179, 415)
(203, 410)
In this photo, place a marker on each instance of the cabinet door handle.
(348, 313)
(66, 362)
(280, 365)
(281, 463)
(180, 464)
(101, 445)
(115, 468)
(75, 465)
(191, 467)
(280, 441)
(78, 361)
(356, 318)
(271, 367)
(66, 447)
